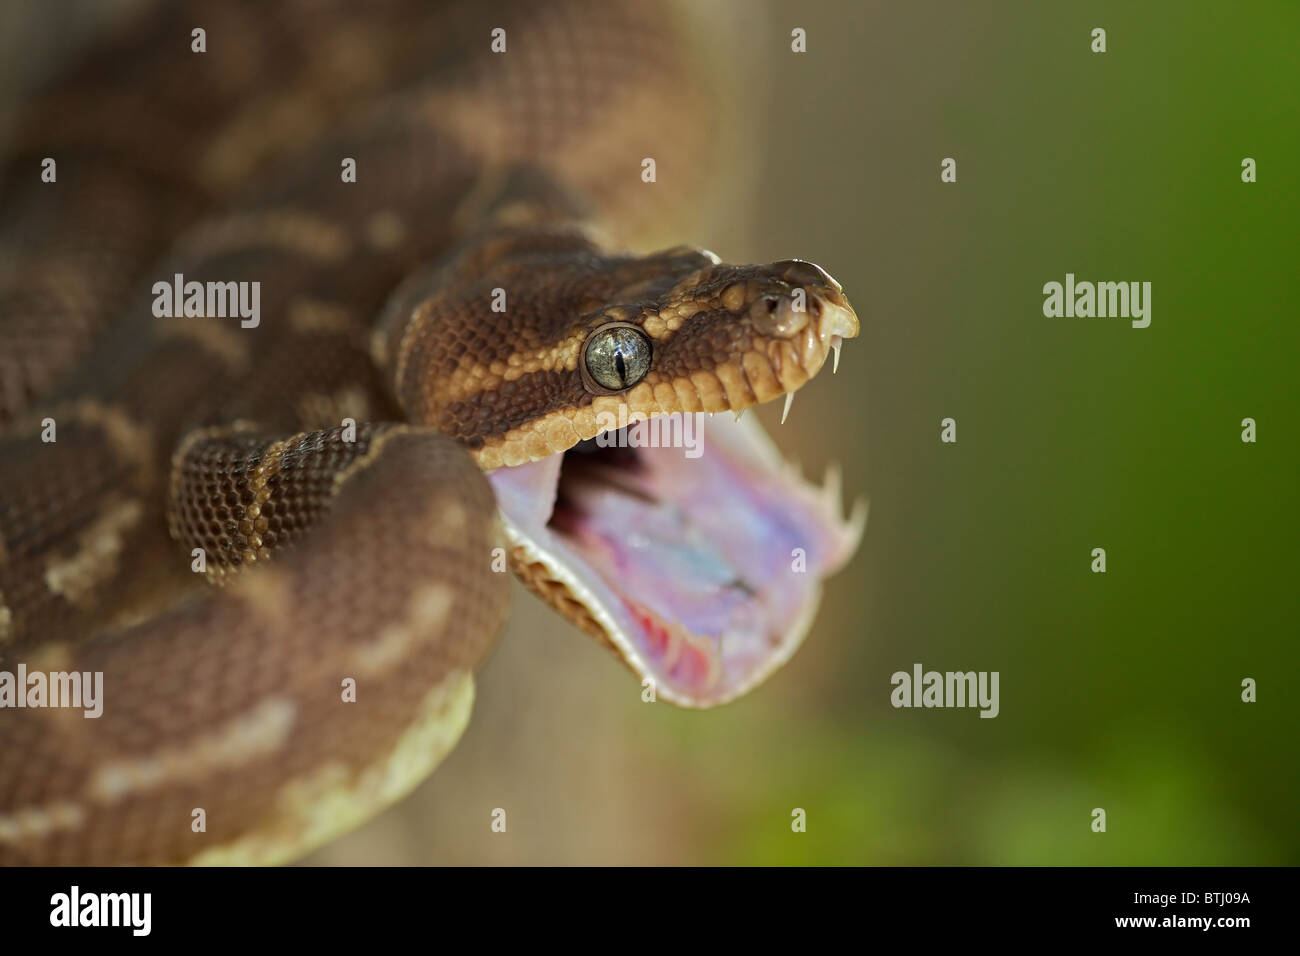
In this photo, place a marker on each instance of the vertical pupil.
(620, 365)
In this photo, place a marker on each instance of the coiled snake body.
(437, 344)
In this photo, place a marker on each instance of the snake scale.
(282, 542)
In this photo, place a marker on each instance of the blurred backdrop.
(1119, 690)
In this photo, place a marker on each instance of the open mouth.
(686, 542)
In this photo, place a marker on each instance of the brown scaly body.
(473, 170)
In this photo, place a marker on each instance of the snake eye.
(616, 357)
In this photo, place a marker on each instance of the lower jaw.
(685, 542)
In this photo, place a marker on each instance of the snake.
(280, 539)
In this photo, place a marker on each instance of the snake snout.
(804, 273)
(803, 291)
(782, 315)
(836, 319)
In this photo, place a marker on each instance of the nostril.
(776, 315)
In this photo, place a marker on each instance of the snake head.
(685, 542)
(738, 335)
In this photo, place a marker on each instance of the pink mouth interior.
(708, 565)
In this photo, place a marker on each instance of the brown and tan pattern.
(358, 562)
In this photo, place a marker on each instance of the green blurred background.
(1118, 690)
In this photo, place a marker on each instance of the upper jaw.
(788, 362)
(792, 319)
(732, 358)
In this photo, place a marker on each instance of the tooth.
(739, 413)
(857, 523)
(789, 400)
(835, 347)
(831, 487)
